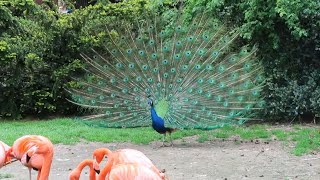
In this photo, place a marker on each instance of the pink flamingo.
(34, 152)
(122, 156)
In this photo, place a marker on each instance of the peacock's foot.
(163, 145)
(167, 145)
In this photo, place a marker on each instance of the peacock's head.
(150, 101)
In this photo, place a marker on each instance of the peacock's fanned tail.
(189, 68)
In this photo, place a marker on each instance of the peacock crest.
(188, 67)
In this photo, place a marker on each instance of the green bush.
(40, 48)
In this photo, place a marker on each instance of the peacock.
(172, 72)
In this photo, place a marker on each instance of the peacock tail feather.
(189, 68)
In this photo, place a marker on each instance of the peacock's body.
(158, 122)
(186, 70)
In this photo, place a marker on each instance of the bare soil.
(191, 160)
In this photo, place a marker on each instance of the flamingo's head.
(9, 155)
(31, 152)
(99, 154)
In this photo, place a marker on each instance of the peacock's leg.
(163, 139)
(171, 139)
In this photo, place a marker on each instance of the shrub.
(40, 48)
(287, 33)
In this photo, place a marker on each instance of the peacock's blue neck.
(157, 122)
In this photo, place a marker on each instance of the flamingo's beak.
(96, 166)
(28, 158)
(97, 171)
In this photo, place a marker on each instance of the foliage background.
(40, 49)
(287, 32)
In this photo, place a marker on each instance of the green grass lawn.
(69, 131)
(305, 139)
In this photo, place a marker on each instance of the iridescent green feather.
(190, 69)
(162, 108)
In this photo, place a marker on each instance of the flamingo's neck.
(84, 163)
(45, 169)
(106, 170)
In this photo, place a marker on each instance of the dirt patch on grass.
(191, 160)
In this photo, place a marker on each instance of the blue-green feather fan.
(188, 71)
